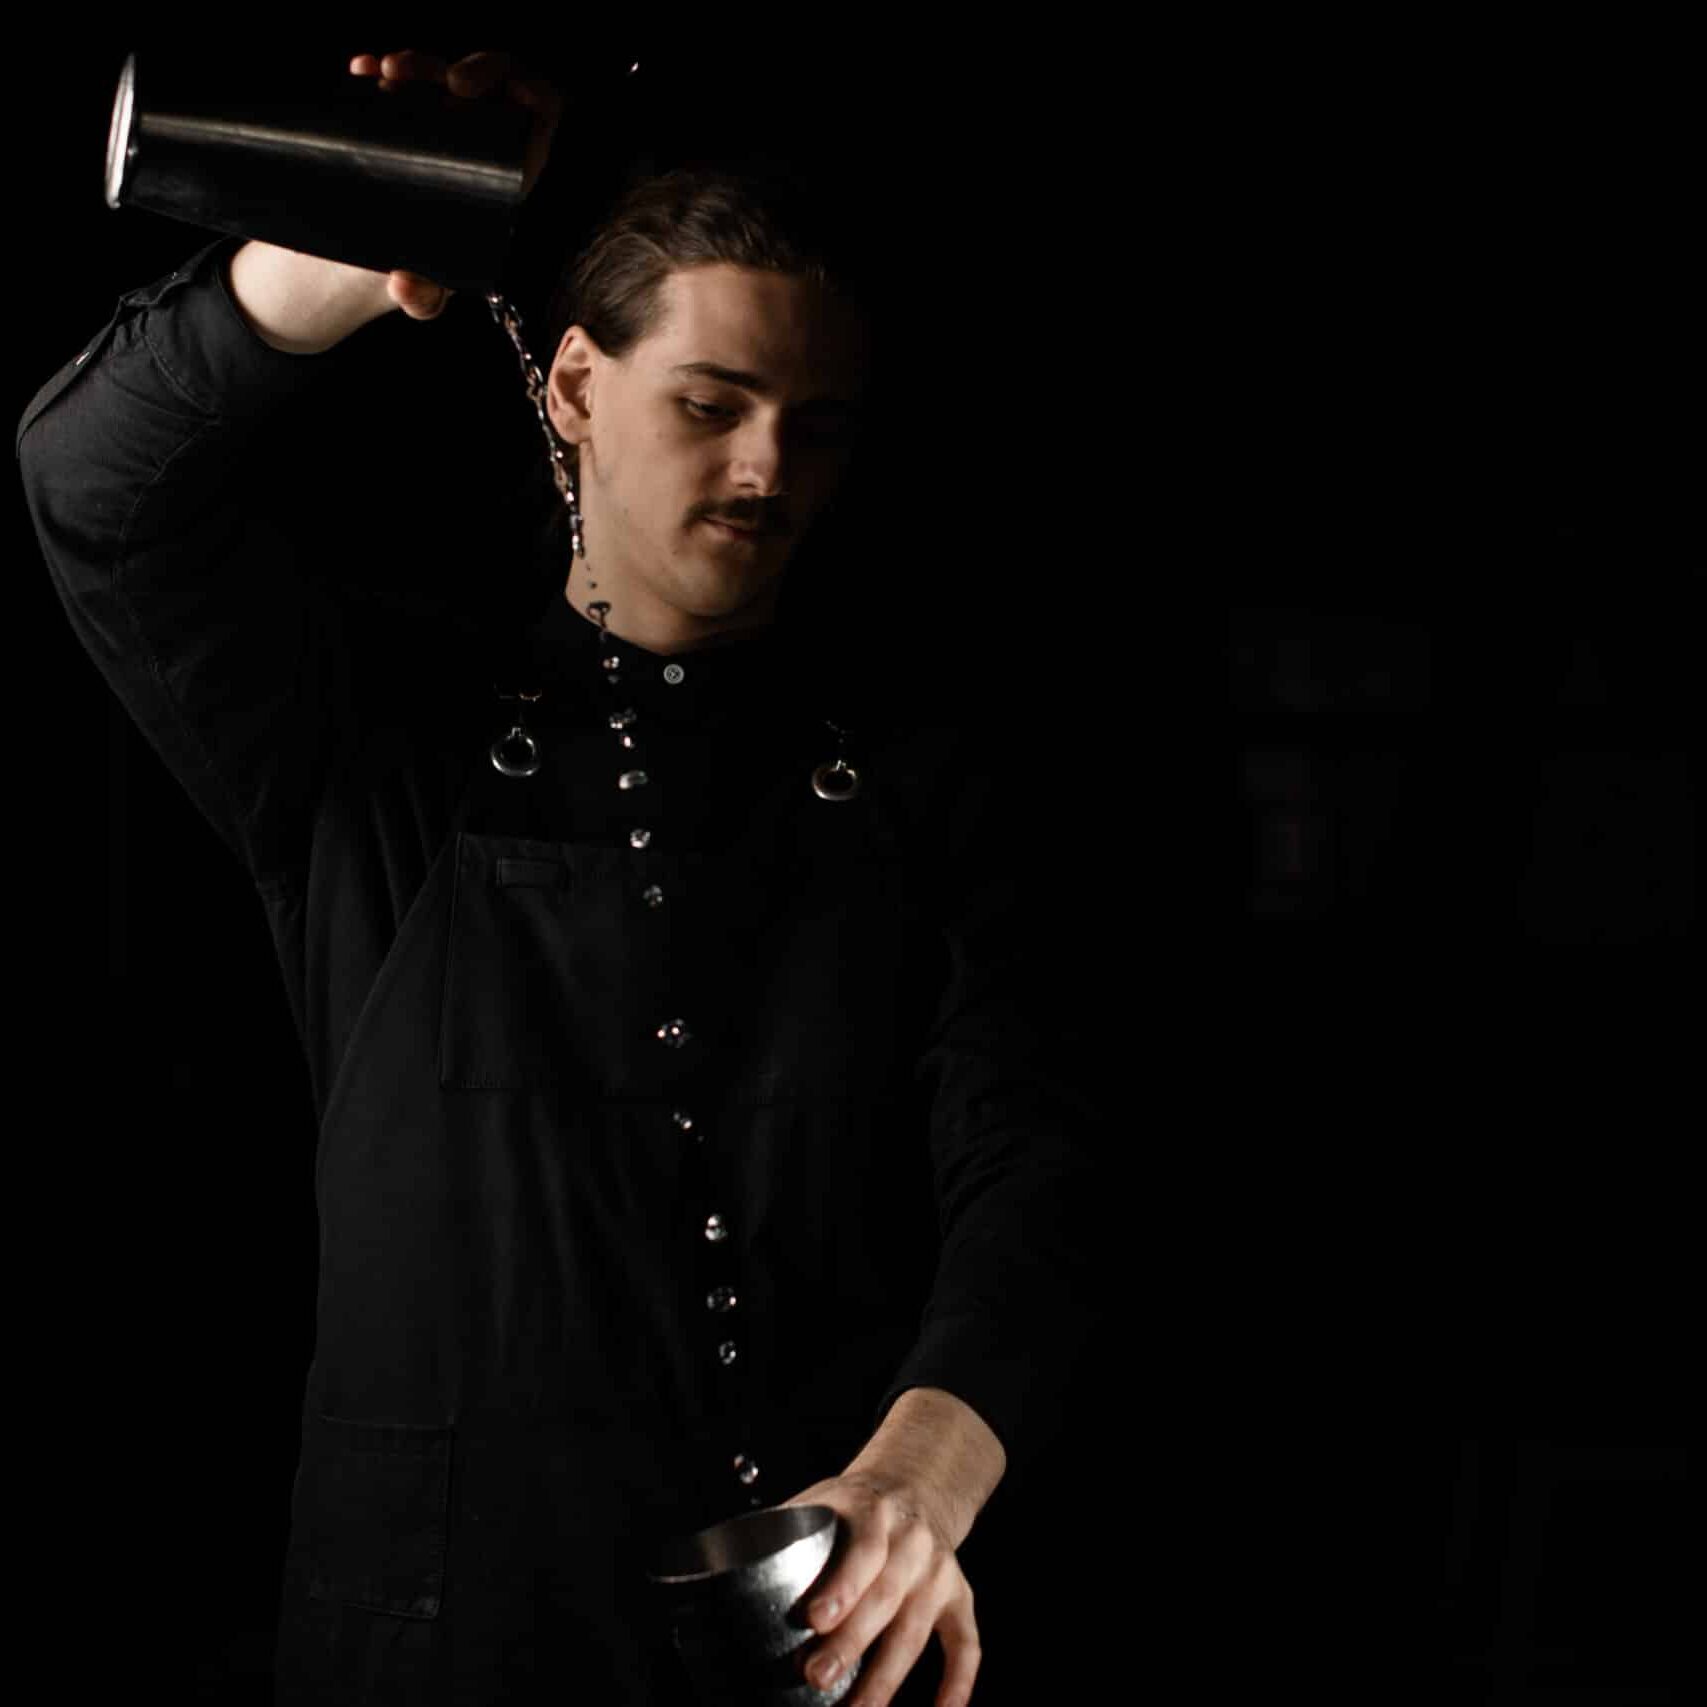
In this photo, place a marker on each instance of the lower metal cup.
(734, 1598)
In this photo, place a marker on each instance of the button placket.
(622, 722)
(722, 1299)
(673, 1033)
(746, 1470)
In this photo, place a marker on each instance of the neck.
(656, 627)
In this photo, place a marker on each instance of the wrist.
(936, 1454)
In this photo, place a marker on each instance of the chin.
(717, 585)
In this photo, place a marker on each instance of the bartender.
(692, 1136)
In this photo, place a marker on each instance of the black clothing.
(555, 1323)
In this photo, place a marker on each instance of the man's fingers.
(411, 64)
(886, 1666)
(962, 1652)
(900, 1597)
(861, 1564)
(479, 72)
(542, 96)
(419, 298)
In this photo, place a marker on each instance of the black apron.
(537, 1352)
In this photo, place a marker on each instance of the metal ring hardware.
(828, 781)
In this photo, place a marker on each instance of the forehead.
(786, 332)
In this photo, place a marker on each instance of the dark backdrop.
(1456, 528)
(1346, 365)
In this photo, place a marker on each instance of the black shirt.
(673, 1118)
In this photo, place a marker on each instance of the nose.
(759, 456)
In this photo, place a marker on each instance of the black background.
(1350, 366)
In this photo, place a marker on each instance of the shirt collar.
(736, 673)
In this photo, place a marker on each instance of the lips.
(729, 531)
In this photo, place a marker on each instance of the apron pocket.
(373, 1507)
(540, 873)
(525, 931)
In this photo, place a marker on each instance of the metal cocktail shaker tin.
(734, 1598)
(328, 164)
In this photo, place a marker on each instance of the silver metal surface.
(735, 1596)
(835, 781)
(517, 754)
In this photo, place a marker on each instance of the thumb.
(420, 298)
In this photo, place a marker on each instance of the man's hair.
(754, 210)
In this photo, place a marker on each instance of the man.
(689, 1140)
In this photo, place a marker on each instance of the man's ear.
(568, 388)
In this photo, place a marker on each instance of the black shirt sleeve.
(145, 470)
(1015, 1126)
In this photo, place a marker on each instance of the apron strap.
(499, 732)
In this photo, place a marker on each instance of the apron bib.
(532, 1228)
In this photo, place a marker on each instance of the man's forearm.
(303, 304)
(937, 1447)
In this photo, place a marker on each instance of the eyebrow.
(753, 383)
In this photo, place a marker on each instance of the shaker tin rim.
(794, 1527)
(118, 132)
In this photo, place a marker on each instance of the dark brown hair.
(754, 210)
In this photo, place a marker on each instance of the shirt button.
(674, 1033)
(746, 1469)
(726, 1353)
(716, 1229)
(673, 674)
(631, 779)
(653, 897)
(639, 838)
(723, 1298)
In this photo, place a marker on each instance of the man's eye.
(826, 432)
